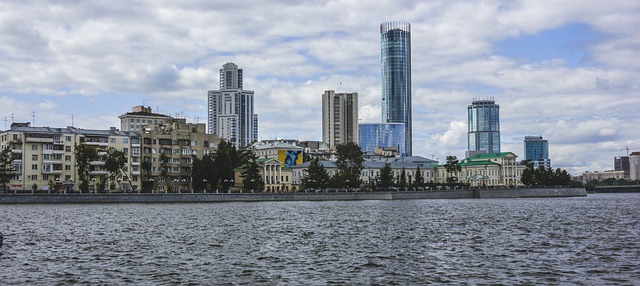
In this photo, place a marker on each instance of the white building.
(339, 118)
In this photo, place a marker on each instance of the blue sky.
(569, 73)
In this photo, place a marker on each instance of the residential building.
(622, 164)
(44, 156)
(395, 40)
(140, 116)
(484, 126)
(634, 166)
(167, 153)
(230, 109)
(381, 135)
(536, 150)
(339, 118)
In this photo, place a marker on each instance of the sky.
(564, 70)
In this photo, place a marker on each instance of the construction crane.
(627, 148)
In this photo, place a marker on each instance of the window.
(67, 138)
(67, 158)
(67, 148)
(34, 167)
(34, 177)
(125, 150)
(125, 140)
(34, 147)
(67, 167)
(34, 157)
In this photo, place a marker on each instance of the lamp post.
(57, 184)
(204, 182)
(153, 189)
(175, 182)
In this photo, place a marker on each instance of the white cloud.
(97, 59)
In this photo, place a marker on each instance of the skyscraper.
(484, 126)
(231, 109)
(339, 118)
(395, 40)
(536, 150)
(381, 135)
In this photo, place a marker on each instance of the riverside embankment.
(244, 197)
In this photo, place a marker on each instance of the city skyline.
(567, 74)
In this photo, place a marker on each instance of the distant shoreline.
(259, 197)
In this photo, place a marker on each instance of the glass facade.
(383, 135)
(536, 150)
(484, 126)
(395, 39)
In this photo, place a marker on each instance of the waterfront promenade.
(320, 196)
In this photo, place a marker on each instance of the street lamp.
(93, 185)
(204, 181)
(175, 181)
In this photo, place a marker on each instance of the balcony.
(51, 172)
(16, 151)
(96, 163)
(39, 140)
(98, 173)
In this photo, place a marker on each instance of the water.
(589, 241)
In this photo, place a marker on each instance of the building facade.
(622, 164)
(381, 135)
(395, 40)
(339, 118)
(230, 109)
(44, 158)
(634, 166)
(484, 126)
(167, 154)
(494, 169)
(139, 117)
(536, 150)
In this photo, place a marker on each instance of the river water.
(593, 240)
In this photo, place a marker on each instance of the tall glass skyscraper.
(395, 40)
(484, 126)
(536, 150)
(382, 135)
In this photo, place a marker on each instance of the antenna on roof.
(71, 120)
(33, 116)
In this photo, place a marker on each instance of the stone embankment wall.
(204, 198)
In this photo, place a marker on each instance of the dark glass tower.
(484, 126)
(395, 40)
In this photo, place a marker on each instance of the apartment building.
(44, 157)
(168, 151)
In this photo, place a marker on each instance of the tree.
(452, 166)
(226, 159)
(6, 167)
(349, 164)
(418, 181)
(113, 163)
(316, 176)
(84, 155)
(528, 177)
(251, 179)
(402, 182)
(203, 172)
(385, 178)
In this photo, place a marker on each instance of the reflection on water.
(592, 240)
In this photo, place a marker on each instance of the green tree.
(349, 164)
(251, 179)
(452, 166)
(84, 155)
(113, 163)
(528, 174)
(402, 182)
(203, 172)
(6, 167)
(226, 160)
(316, 176)
(418, 181)
(164, 170)
(385, 177)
